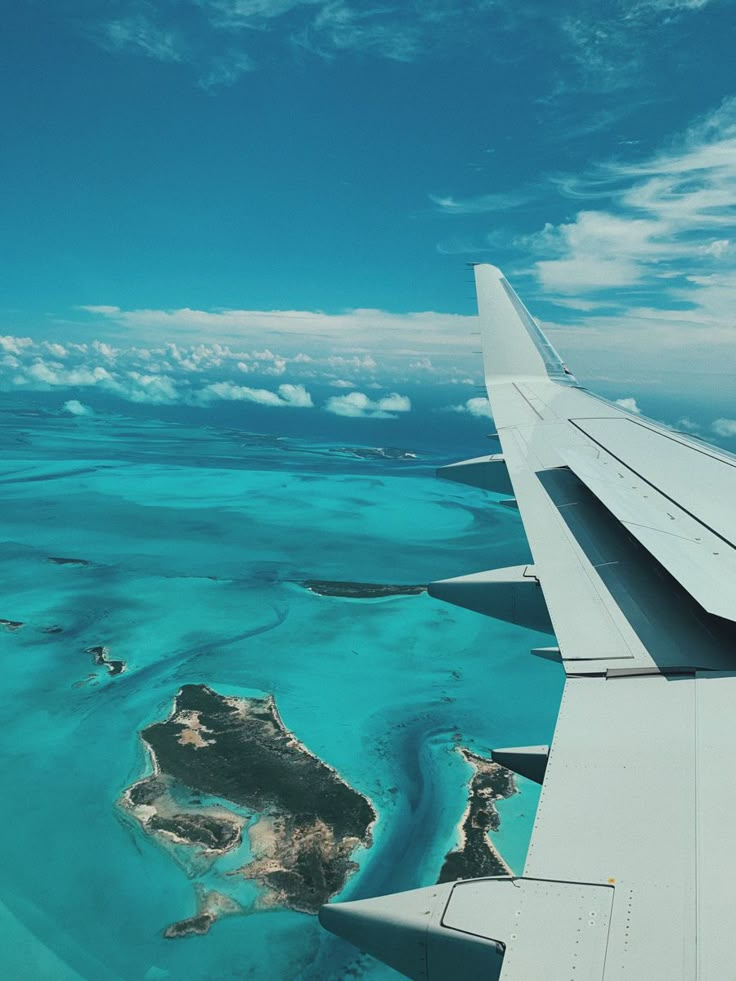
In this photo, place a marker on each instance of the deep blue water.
(197, 535)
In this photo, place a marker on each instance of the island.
(359, 590)
(11, 624)
(476, 855)
(379, 452)
(222, 763)
(61, 560)
(100, 655)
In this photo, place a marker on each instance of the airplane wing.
(632, 529)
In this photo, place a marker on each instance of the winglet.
(514, 346)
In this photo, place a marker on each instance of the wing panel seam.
(649, 483)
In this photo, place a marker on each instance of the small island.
(359, 590)
(379, 452)
(11, 624)
(476, 856)
(62, 560)
(100, 655)
(303, 821)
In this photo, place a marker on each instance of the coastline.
(308, 820)
(476, 855)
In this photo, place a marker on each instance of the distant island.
(308, 821)
(379, 452)
(476, 856)
(11, 624)
(61, 560)
(101, 654)
(359, 590)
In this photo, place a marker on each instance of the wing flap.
(698, 558)
(697, 477)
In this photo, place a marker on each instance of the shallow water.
(197, 539)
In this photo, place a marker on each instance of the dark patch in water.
(359, 590)
(61, 560)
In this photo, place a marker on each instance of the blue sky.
(280, 179)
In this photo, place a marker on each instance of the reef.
(304, 822)
(101, 656)
(476, 855)
(359, 590)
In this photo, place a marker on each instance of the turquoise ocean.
(197, 529)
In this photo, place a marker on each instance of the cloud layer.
(603, 49)
(199, 375)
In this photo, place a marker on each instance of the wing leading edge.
(633, 540)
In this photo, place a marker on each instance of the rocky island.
(308, 821)
(101, 654)
(359, 590)
(476, 856)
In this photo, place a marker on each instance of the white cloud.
(151, 389)
(666, 6)
(57, 375)
(605, 45)
(724, 427)
(140, 35)
(669, 217)
(245, 13)
(101, 308)
(353, 335)
(35, 373)
(340, 27)
(289, 396)
(688, 425)
(478, 407)
(223, 39)
(203, 373)
(599, 250)
(58, 350)
(15, 345)
(718, 248)
(630, 405)
(611, 44)
(480, 204)
(357, 405)
(76, 408)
